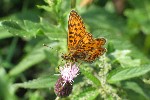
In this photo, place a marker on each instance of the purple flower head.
(69, 72)
(62, 88)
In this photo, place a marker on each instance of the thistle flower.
(69, 72)
(63, 86)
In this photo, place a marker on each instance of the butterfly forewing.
(76, 30)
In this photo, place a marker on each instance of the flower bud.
(63, 88)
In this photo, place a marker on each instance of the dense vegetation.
(28, 69)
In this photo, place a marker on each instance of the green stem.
(73, 4)
(11, 49)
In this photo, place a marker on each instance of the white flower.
(69, 72)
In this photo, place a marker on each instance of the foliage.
(27, 68)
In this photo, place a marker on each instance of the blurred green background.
(27, 68)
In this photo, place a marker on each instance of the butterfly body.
(81, 44)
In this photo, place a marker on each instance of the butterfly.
(81, 44)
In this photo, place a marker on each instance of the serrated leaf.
(35, 95)
(136, 88)
(138, 19)
(53, 32)
(12, 24)
(34, 57)
(24, 29)
(90, 76)
(124, 59)
(146, 81)
(46, 8)
(4, 33)
(13, 27)
(108, 20)
(31, 27)
(88, 94)
(44, 82)
(127, 73)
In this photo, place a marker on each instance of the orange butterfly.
(81, 44)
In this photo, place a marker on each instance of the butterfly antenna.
(57, 52)
(80, 63)
(60, 64)
(47, 46)
(51, 48)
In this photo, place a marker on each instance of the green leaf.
(138, 18)
(7, 93)
(54, 32)
(12, 24)
(44, 82)
(32, 28)
(127, 73)
(23, 29)
(46, 8)
(13, 27)
(124, 59)
(35, 95)
(4, 33)
(34, 57)
(103, 20)
(90, 76)
(146, 81)
(136, 88)
(88, 94)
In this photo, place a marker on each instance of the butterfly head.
(69, 57)
(66, 56)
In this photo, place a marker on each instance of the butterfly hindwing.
(90, 51)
